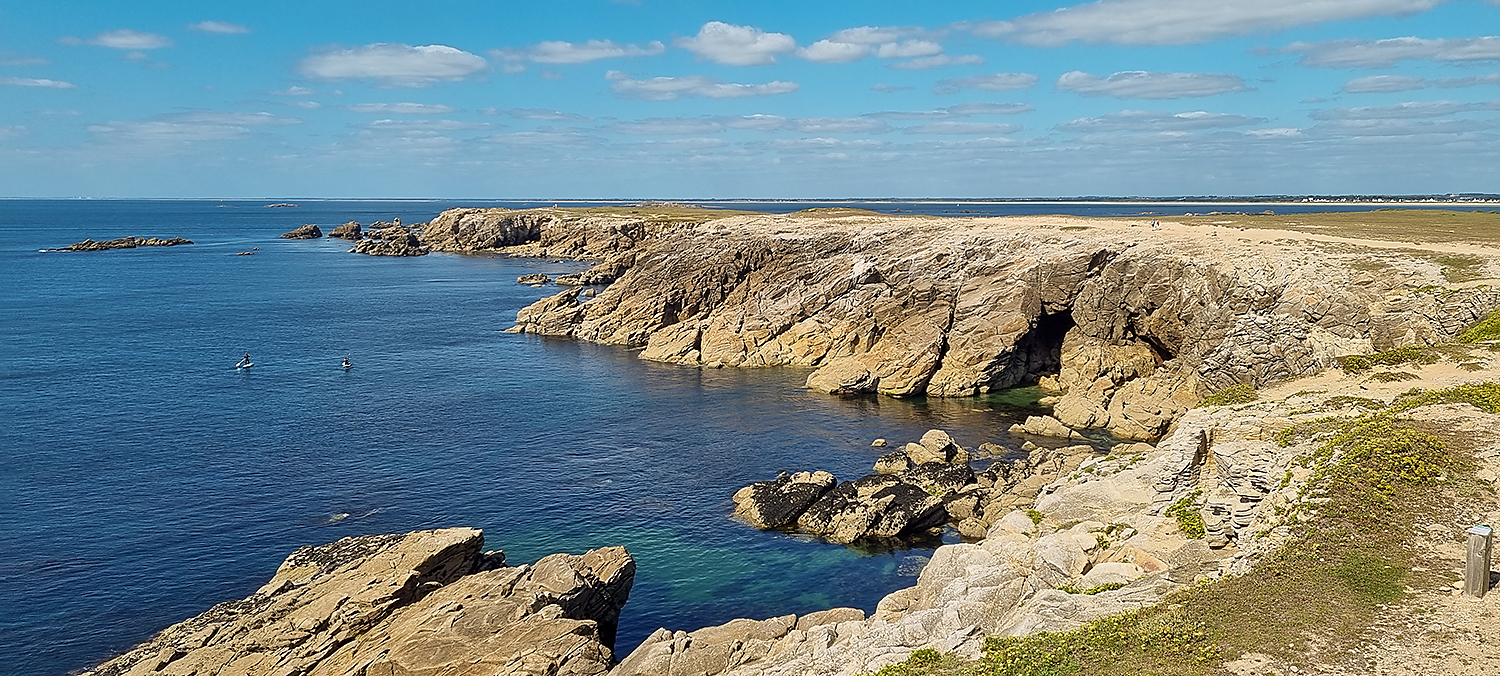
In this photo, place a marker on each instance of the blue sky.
(671, 99)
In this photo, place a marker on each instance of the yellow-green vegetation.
(1189, 521)
(1392, 376)
(1375, 478)
(1423, 226)
(662, 212)
(1487, 329)
(1230, 396)
(1411, 354)
(1036, 517)
(1457, 268)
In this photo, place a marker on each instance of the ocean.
(145, 479)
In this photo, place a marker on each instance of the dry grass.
(660, 212)
(1419, 226)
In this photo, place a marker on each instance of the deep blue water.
(143, 479)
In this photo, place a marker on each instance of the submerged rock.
(308, 231)
(423, 602)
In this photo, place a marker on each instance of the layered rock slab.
(420, 603)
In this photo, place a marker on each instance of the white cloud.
(890, 88)
(1157, 121)
(829, 51)
(11, 131)
(220, 27)
(757, 122)
(538, 114)
(873, 35)
(403, 108)
(294, 91)
(561, 52)
(424, 126)
(555, 139)
(909, 49)
(671, 88)
(963, 128)
(1405, 110)
(737, 45)
(1275, 132)
(1379, 84)
(394, 65)
(9, 59)
(1388, 52)
(1391, 127)
(839, 125)
(125, 38)
(43, 83)
(999, 82)
(189, 128)
(960, 110)
(667, 126)
(1178, 22)
(939, 61)
(1139, 84)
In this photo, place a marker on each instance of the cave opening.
(1039, 352)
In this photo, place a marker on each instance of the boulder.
(1046, 426)
(349, 231)
(423, 602)
(778, 503)
(876, 506)
(894, 462)
(939, 477)
(533, 278)
(308, 231)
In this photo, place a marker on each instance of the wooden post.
(1477, 564)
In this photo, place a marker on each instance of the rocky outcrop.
(123, 243)
(533, 278)
(308, 231)
(1132, 329)
(392, 240)
(350, 231)
(418, 603)
(778, 503)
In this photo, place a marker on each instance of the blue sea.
(143, 478)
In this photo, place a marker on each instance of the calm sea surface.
(143, 479)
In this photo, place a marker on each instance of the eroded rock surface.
(419, 603)
(309, 231)
(392, 240)
(124, 243)
(350, 231)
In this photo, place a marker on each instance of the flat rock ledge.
(916, 490)
(428, 602)
(123, 243)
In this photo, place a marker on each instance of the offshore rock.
(349, 231)
(393, 240)
(534, 278)
(878, 506)
(123, 243)
(423, 602)
(777, 503)
(308, 231)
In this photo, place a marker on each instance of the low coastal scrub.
(1487, 329)
(1231, 396)
(1376, 477)
(1411, 354)
(1189, 521)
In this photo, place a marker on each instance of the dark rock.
(349, 231)
(875, 506)
(123, 243)
(534, 278)
(894, 462)
(308, 231)
(939, 477)
(777, 503)
(390, 241)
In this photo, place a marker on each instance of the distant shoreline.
(1490, 201)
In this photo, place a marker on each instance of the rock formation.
(392, 240)
(533, 278)
(309, 231)
(349, 231)
(420, 603)
(123, 243)
(1130, 327)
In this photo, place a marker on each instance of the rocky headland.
(123, 243)
(1129, 326)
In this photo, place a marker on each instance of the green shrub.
(1188, 518)
(1229, 396)
(1036, 517)
(1487, 329)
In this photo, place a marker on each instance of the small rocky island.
(123, 243)
(309, 231)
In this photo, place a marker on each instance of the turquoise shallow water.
(143, 479)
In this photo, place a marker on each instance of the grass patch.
(1422, 226)
(1411, 354)
(1188, 518)
(1376, 477)
(662, 212)
(1035, 516)
(1392, 377)
(1487, 329)
(1229, 396)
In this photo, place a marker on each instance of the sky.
(671, 99)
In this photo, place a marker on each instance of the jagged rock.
(736, 644)
(894, 462)
(423, 602)
(308, 231)
(390, 241)
(876, 506)
(123, 243)
(777, 503)
(939, 477)
(349, 231)
(533, 278)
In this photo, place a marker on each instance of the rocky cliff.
(1131, 325)
(427, 602)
